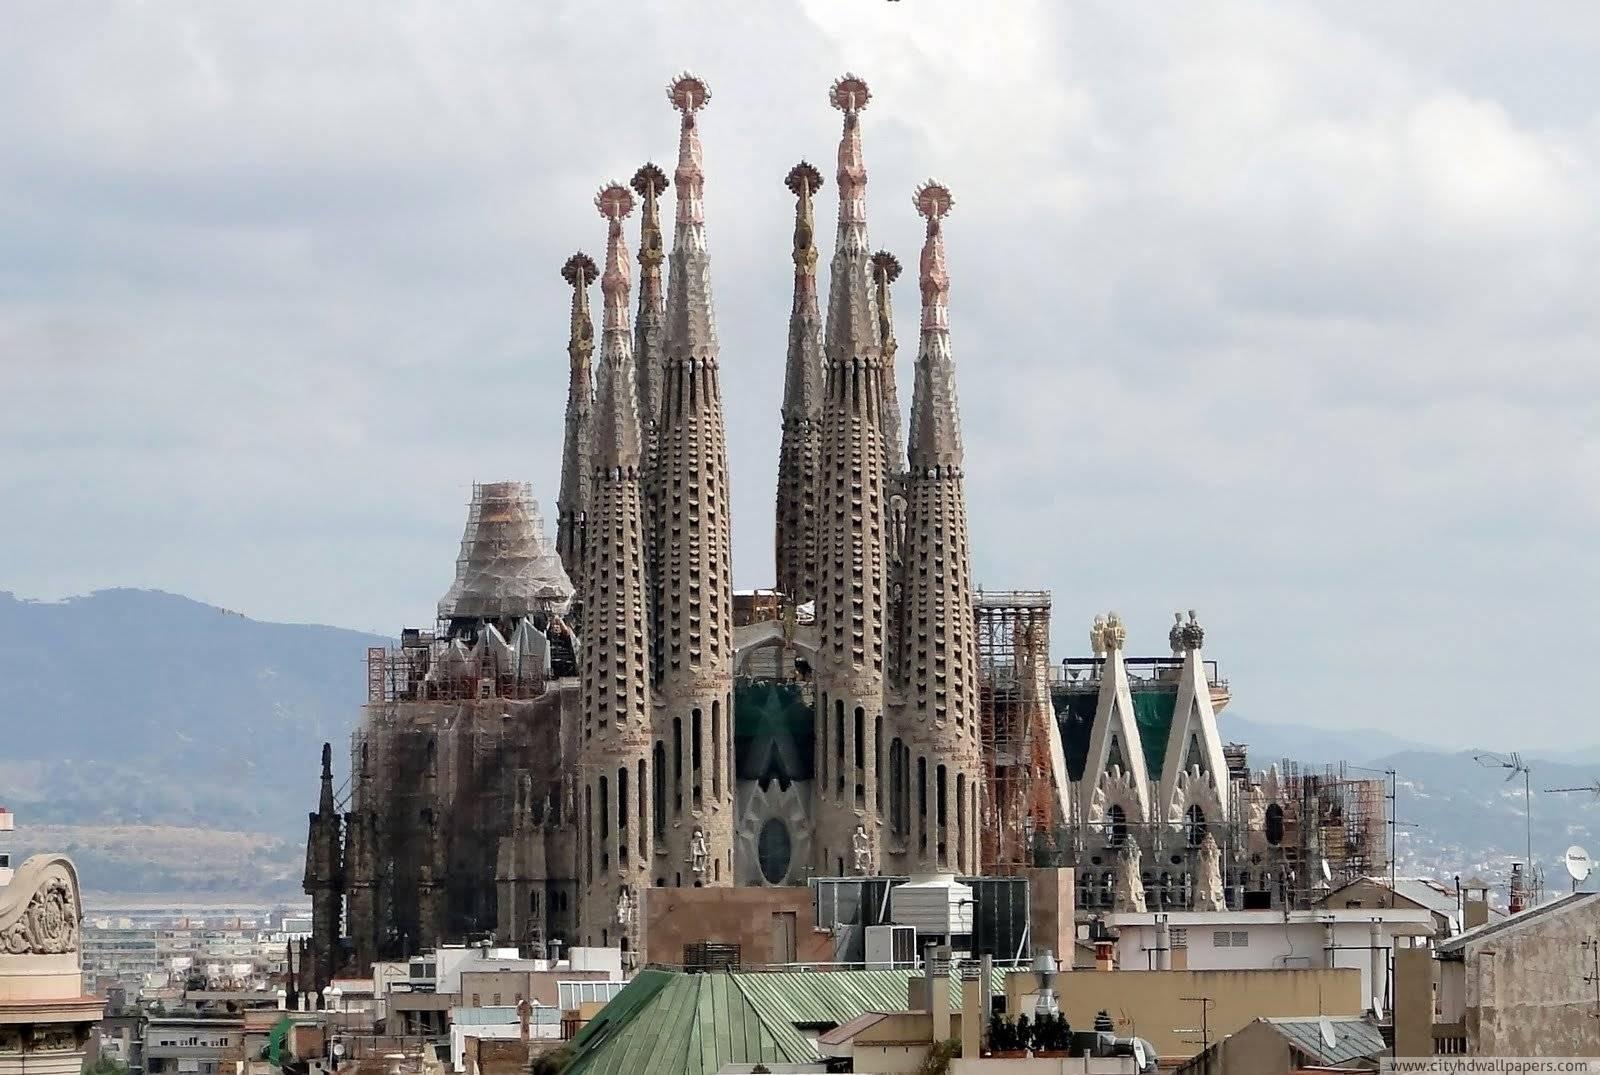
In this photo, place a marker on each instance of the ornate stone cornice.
(41, 910)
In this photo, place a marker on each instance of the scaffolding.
(1015, 715)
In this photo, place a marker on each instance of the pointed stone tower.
(616, 850)
(1115, 789)
(937, 633)
(693, 785)
(800, 454)
(1193, 793)
(650, 357)
(573, 503)
(324, 877)
(852, 580)
(885, 271)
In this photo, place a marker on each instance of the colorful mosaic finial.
(804, 180)
(850, 95)
(934, 203)
(689, 95)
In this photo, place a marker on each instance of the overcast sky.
(1284, 312)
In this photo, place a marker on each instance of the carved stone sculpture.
(862, 847)
(1175, 635)
(48, 925)
(1208, 882)
(1129, 894)
(1115, 634)
(699, 853)
(1097, 636)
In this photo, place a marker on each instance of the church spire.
(573, 501)
(694, 579)
(936, 428)
(852, 582)
(800, 453)
(616, 426)
(937, 634)
(615, 751)
(650, 326)
(885, 271)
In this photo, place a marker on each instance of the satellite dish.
(1578, 863)
(1325, 1029)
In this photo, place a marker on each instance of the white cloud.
(1281, 311)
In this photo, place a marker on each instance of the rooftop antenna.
(1517, 766)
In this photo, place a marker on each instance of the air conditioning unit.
(891, 947)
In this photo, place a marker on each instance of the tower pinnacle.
(614, 759)
(940, 670)
(799, 456)
(693, 634)
(650, 326)
(852, 580)
(617, 441)
(572, 504)
(936, 428)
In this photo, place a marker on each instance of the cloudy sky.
(1286, 312)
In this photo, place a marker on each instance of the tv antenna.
(1517, 767)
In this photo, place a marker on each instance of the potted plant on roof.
(1003, 1042)
(1052, 1036)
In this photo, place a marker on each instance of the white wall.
(1272, 942)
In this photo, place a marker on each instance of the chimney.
(938, 999)
(1104, 957)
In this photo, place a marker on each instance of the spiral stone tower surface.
(851, 574)
(694, 587)
(616, 849)
(939, 661)
(572, 504)
(650, 352)
(800, 453)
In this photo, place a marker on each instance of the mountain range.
(172, 747)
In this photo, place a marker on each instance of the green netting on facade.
(1152, 712)
(772, 731)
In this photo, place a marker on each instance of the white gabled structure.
(1115, 775)
(1194, 776)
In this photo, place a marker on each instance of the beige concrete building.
(1165, 1007)
(1524, 985)
(45, 1020)
(1274, 1046)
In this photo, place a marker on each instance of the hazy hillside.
(171, 746)
(137, 708)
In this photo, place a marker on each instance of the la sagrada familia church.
(602, 716)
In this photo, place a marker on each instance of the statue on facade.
(1115, 634)
(1194, 636)
(1208, 883)
(625, 908)
(862, 847)
(1129, 893)
(699, 853)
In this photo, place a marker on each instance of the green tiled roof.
(669, 1022)
(692, 1024)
